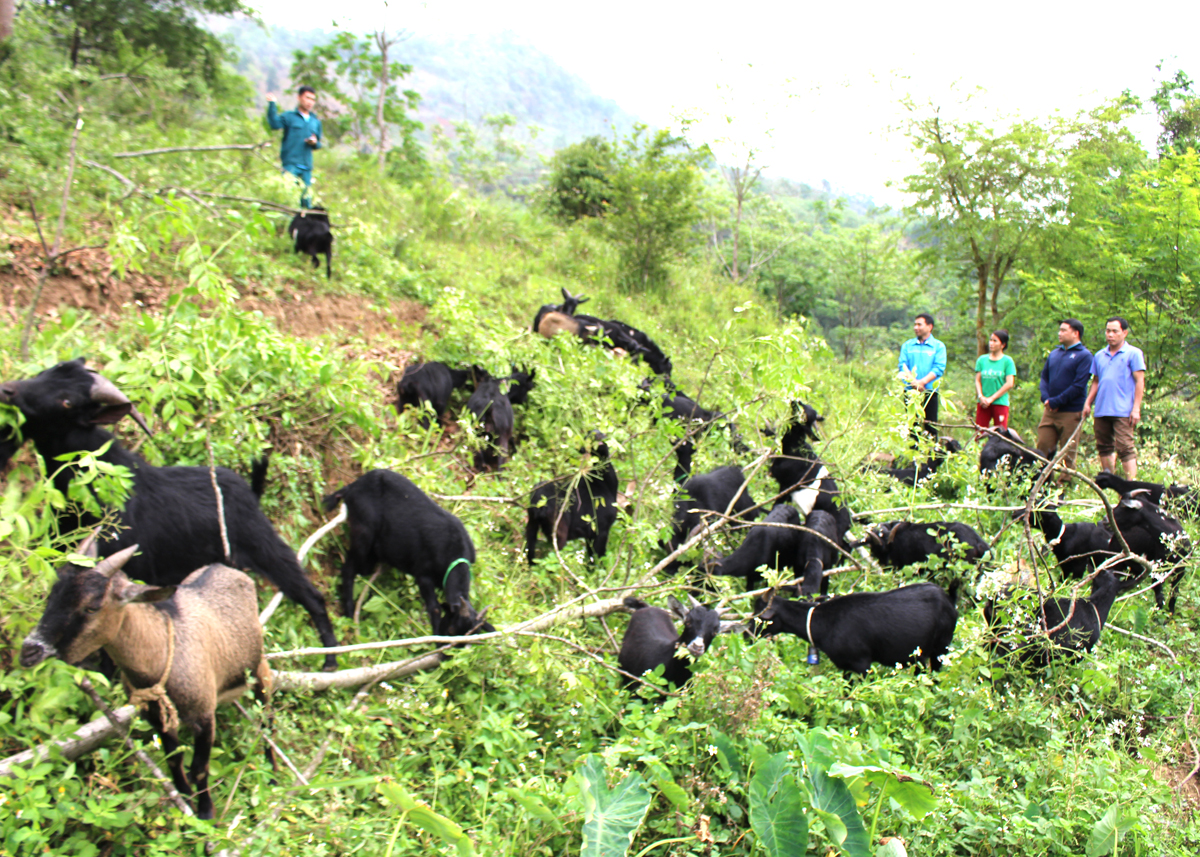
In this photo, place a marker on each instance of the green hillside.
(181, 287)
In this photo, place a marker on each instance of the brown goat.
(213, 614)
(554, 323)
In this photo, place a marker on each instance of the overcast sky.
(825, 84)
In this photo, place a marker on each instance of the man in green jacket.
(301, 134)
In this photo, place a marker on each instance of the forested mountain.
(459, 79)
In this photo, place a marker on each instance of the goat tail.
(635, 603)
(953, 591)
(258, 474)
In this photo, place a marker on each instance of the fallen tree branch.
(169, 149)
(1112, 627)
(86, 739)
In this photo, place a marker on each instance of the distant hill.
(458, 77)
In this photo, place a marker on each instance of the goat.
(651, 640)
(430, 383)
(576, 508)
(800, 472)
(393, 521)
(494, 409)
(896, 627)
(1078, 547)
(1082, 632)
(898, 544)
(197, 639)
(1151, 533)
(171, 511)
(1001, 449)
(313, 236)
(772, 546)
(1185, 497)
(553, 319)
(915, 473)
(709, 492)
(522, 384)
(818, 551)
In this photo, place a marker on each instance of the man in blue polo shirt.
(922, 365)
(1118, 384)
(301, 135)
(1063, 388)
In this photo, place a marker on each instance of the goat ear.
(112, 564)
(676, 608)
(732, 627)
(141, 593)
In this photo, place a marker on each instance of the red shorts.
(985, 415)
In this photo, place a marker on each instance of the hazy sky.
(824, 83)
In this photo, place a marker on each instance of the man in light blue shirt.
(922, 365)
(1118, 384)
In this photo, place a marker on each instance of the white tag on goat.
(806, 498)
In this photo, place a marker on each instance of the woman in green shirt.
(995, 375)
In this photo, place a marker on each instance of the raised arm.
(274, 120)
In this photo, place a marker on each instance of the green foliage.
(91, 32)
(578, 184)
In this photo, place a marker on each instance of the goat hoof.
(330, 664)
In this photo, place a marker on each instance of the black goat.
(897, 544)
(493, 408)
(801, 473)
(912, 623)
(430, 383)
(576, 508)
(313, 236)
(1078, 547)
(819, 551)
(1151, 533)
(1001, 449)
(552, 319)
(915, 473)
(172, 511)
(709, 492)
(772, 546)
(393, 521)
(1081, 632)
(651, 640)
(1188, 499)
(522, 384)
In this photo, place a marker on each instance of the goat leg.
(205, 730)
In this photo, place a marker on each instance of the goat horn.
(112, 564)
(88, 546)
(692, 602)
(105, 392)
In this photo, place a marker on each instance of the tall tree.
(986, 196)
(360, 75)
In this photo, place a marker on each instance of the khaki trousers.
(1054, 429)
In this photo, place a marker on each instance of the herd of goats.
(167, 604)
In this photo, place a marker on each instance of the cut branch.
(168, 150)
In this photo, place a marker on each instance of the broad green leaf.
(915, 796)
(1108, 832)
(777, 814)
(533, 805)
(833, 796)
(611, 817)
(425, 818)
(894, 847)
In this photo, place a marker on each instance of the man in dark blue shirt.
(1064, 386)
(301, 135)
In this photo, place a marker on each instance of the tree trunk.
(7, 8)
(381, 40)
(981, 336)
